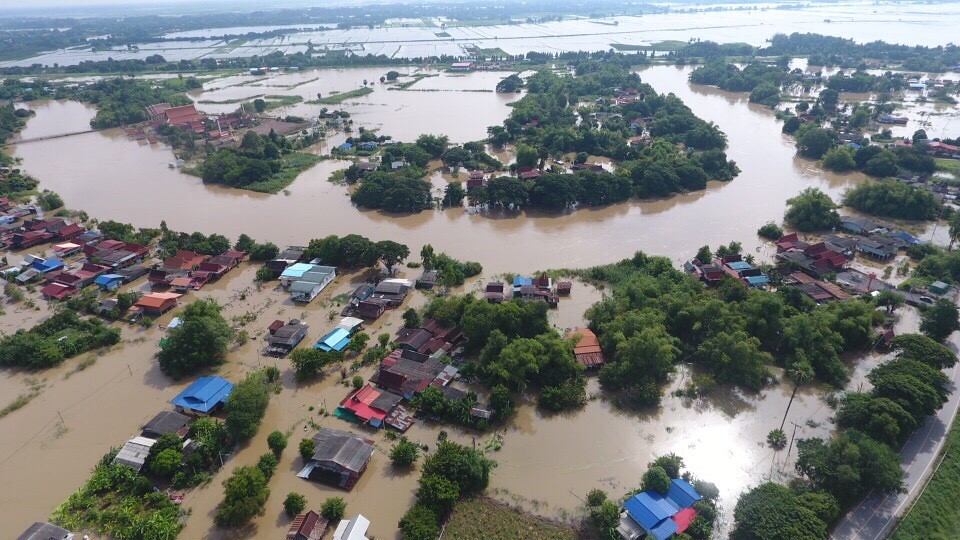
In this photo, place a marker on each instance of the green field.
(936, 514)
(669, 45)
(951, 166)
(482, 518)
(336, 99)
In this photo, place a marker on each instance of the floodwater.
(111, 177)
(547, 462)
(907, 23)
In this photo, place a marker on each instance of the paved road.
(875, 516)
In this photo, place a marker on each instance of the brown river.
(548, 462)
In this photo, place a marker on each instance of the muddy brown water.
(548, 461)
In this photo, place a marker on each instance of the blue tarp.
(204, 394)
(336, 340)
(907, 237)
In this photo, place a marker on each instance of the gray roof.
(165, 422)
(289, 334)
(343, 448)
(386, 401)
(134, 453)
(304, 286)
(42, 530)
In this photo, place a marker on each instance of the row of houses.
(187, 270)
(733, 266)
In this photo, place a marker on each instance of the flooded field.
(935, 24)
(111, 177)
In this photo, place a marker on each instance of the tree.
(596, 497)
(166, 463)
(812, 210)
(770, 231)
(307, 448)
(245, 494)
(264, 252)
(940, 320)
(244, 243)
(670, 463)
(433, 144)
(453, 195)
(201, 340)
(704, 255)
(465, 467)
(49, 200)
(333, 508)
(656, 479)
(427, 256)
(438, 494)
(527, 156)
(267, 464)
(404, 453)
(391, 253)
(420, 523)
(923, 349)
(259, 105)
(800, 372)
(814, 142)
(849, 466)
(774, 512)
(277, 441)
(829, 98)
(309, 363)
(246, 406)
(889, 300)
(294, 504)
(839, 159)
(411, 319)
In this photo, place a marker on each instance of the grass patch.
(667, 45)
(276, 101)
(336, 99)
(935, 514)
(951, 166)
(481, 518)
(19, 402)
(291, 167)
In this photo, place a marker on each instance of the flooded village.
(531, 340)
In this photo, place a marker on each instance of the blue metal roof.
(107, 279)
(649, 509)
(204, 394)
(739, 265)
(296, 270)
(682, 493)
(907, 237)
(757, 280)
(48, 265)
(665, 529)
(337, 340)
(520, 281)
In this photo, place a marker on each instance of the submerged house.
(286, 338)
(368, 405)
(134, 453)
(203, 397)
(337, 340)
(339, 458)
(156, 304)
(42, 530)
(408, 373)
(166, 423)
(352, 529)
(587, 350)
(652, 515)
(309, 526)
(394, 291)
(310, 283)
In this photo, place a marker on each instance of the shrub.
(307, 447)
(294, 504)
(770, 231)
(267, 465)
(333, 508)
(277, 441)
(656, 479)
(420, 523)
(404, 453)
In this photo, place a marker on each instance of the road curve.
(875, 516)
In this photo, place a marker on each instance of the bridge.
(46, 137)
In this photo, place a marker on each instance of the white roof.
(349, 323)
(355, 529)
(134, 453)
(406, 282)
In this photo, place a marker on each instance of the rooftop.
(204, 394)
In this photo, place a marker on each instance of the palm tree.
(800, 372)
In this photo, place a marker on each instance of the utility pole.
(795, 426)
(61, 419)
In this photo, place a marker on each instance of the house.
(337, 340)
(66, 249)
(365, 167)
(407, 373)
(657, 516)
(28, 239)
(311, 283)
(494, 292)
(286, 338)
(185, 260)
(339, 458)
(587, 350)
(345, 147)
(372, 309)
(88, 272)
(878, 248)
(427, 280)
(134, 453)
(394, 291)
(476, 180)
(351, 324)
(289, 256)
(41, 530)
(57, 291)
(203, 397)
(274, 326)
(353, 529)
(49, 265)
(361, 293)
(412, 339)
(564, 288)
(461, 66)
(109, 282)
(294, 272)
(181, 284)
(368, 405)
(132, 273)
(166, 422)
(309, 526)
(858, 225)
(156, 304)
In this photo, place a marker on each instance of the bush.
(770, 231)
(48, 200)
(404, 453)
(656, 479)
(307, 448)
(294, 504)
(244, 497)
(596, 497)
(267, 465)
(277, 441)
(420, 523)
(333, 508)
(358, 382)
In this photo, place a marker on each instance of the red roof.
(587, 350)
(57, 291)
(684, 518)
(359, 403)
(184, 115)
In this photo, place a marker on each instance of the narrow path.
(46, 137)
(875, 516)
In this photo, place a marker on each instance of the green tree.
(391, 253)
(465, 467)
(277, 441)
(656, 479)
(923, 349)
(814, 142)
(411, 319)
(333, 508)
(940, 320)
(404, 453)
(245, 495)
(889, 300)
(438, 493)
(309, 363)
(527, 156)
(201, 340)
(307, 448)
(812, 210)
(294, 504)
(259, 105)
(774, 512)
(267, 464)
(246, 406)
(453, 195)
(839, 159)
(166, 463)
(419, 523)
(704, 255)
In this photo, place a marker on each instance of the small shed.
(134, 453)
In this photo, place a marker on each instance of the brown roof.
(587, 350)
(309, 526)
